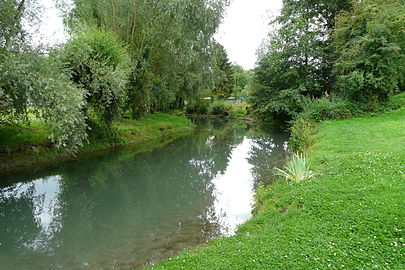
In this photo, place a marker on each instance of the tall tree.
(223, 74)
(242, 79)
(295, 63)
(370, 45)
(168, 42)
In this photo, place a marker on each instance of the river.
(125, 209)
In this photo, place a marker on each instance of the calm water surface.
(122, 210)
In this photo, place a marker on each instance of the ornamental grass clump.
(297, 169)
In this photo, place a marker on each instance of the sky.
(51, 30)
(243, 29)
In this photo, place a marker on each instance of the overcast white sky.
(244, 28)
(51, 30)
(241, 33)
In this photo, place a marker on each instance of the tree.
(295, 64)
(31, 82)
(168, 41)
(242, 79)
(370, 46)
(100, 66)
(223, 78)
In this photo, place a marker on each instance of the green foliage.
(99, 65)
(31, 82)
(296, 169)
(14, 15)
(323, 109)
(281, 105)
(223, 78)
(220, 108)
(170, 44)
(242, 80)
(397, 101)
(302, 135)
(294, 64)
(370, 46)
(315, 111)
(238, 111)
(198, 107)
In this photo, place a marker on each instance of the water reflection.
(122, 210)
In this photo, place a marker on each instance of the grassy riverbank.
(22, 146)
(350, 216)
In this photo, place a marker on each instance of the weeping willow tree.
(169, 42)
(32, 83)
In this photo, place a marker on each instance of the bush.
(323, 109)
(396, 101)
(100, 65)
(34, 84)
(197, 107)
(238, 111)
(302, 132)
(220, 108)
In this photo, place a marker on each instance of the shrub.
(32, 83)
(302, 132)
(238, 111)
(297, 169)
(323, 109)
(197, 107)
(220, 108)
(396, 101)
(100, 65)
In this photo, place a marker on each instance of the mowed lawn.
(350, 216)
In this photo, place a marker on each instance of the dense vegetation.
(170, 43)
(348, 53)
(136, 56)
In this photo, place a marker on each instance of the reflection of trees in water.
(19, 227)
(266, 154)
(169, 188)
(132, 208)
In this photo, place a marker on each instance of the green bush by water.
(198, 107)
(325, 109)
(220, 108)
(239, 111)
(302, 132)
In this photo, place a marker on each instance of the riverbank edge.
(158, 135)
(245, 119)
(261, 238)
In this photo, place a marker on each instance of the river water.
(124, 209)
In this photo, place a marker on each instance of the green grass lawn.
(350, 216)
(22, 146)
